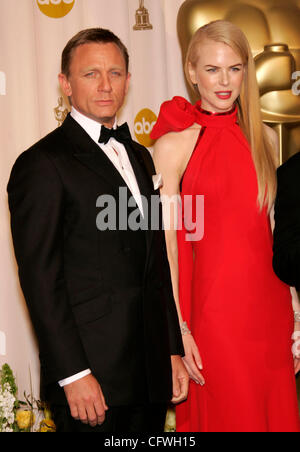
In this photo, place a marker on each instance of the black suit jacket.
(98, 299)
(286, 258)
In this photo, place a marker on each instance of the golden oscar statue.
(142, 18)
(273, 30)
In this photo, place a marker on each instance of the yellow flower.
(170, 425)
(25, 419)
(47, 425)
(47, 413)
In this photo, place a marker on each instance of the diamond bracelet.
(297, 316)
(184, 329)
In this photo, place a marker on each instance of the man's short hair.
(90, 35)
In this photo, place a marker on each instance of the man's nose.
(104, 83)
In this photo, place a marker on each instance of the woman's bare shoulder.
(177, 140)
(173, 150)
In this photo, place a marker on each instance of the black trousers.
(132, 419)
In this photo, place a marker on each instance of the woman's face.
(219, 74)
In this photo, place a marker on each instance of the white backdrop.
(30, 47)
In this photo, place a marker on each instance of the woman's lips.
(223, 94)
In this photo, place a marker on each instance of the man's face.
(97, 82)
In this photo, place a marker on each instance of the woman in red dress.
(237, 317)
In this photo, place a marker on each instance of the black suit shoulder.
(41, 151)
(51, 148)
(290, 168)
(293, 160)
(31, 162)
(288, 178)
(48, 143)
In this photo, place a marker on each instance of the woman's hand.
(297, 365)
(296, 347)
(192, 359)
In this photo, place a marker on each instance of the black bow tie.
(121, 134)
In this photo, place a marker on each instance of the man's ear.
(128, 82)
(65, 84)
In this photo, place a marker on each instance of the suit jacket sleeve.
(286, 257)
(36, 201)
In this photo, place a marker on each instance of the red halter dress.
(239, 312)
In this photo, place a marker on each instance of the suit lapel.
(85, 150)
(141, 174)
(88, 153)
(144, 180)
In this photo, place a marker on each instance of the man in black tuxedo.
(100, 298)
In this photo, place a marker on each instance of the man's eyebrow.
(118, 68)
(89, 68)
(96, 68)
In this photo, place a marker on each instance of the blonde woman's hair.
(249, 113)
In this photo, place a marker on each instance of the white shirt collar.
(92, 128)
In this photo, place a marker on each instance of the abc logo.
(55, 8)
(143, 125)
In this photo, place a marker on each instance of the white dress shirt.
(114, 150)
(117, 154)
